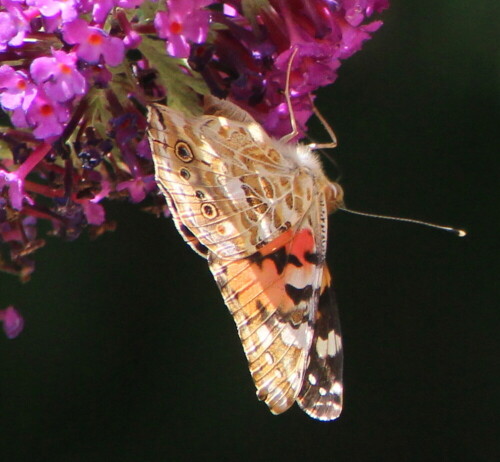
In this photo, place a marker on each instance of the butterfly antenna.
(456, 231)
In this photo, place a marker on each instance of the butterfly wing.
(284, 315)
(261, 223)
(226, 182)
(322, 388)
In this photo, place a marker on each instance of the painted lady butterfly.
(256, 208)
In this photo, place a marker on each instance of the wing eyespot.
(184, 152)
(184, 173)
(209, 210)
(200, 194)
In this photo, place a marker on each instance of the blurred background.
(129, 353)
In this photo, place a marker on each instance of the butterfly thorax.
(308, 164)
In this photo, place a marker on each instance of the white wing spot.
(265, 339)
(337, 388)
(322, 347)
(256, 132)
(312, 379)
(334, 343)
(294, 381)
(322, 391)
(269, 357)
(223, 122)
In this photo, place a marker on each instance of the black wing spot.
(201, 248)
(313, 258)
(299, 294)
(279, 257)
(186, 231)
(293, 260)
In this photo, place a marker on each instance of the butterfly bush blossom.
(76, 77)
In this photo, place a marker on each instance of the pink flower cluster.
(321, 33)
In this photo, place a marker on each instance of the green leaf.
(145, 12)
(251, 8)
(183, 85)
(5, 151)
(99, 111)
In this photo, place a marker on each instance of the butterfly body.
(256, 208)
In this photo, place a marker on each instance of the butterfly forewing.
(228, 189)
(255, 208)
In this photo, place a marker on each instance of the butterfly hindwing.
(272, 296)
(322, 388)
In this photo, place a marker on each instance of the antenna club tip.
(461, 233)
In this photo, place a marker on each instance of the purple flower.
(249, 65)
(135, 188)
(94, 213)
(15, 187)
(31, 106)
(66, 9)
(357, 10)
(138, 187)
(16, 90)
(13, 26)
(98, 76)
(61, 80)
(101, 8)
(353, 38)
(277, 120)
(47, 116)
(143, 149)
(132, 38)
(14, 181)
(93, 43)
(184, 23)
(12, 321)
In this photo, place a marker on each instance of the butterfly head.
(334, 196)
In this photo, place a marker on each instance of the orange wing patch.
(271, 296)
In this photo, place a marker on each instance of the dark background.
(129, 353)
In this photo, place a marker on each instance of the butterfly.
(255, 207)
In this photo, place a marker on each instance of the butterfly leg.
(329, 130)
(293, 122)
(288, 98)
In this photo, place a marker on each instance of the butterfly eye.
(209, 210)
(183, 152)
(185, 173)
